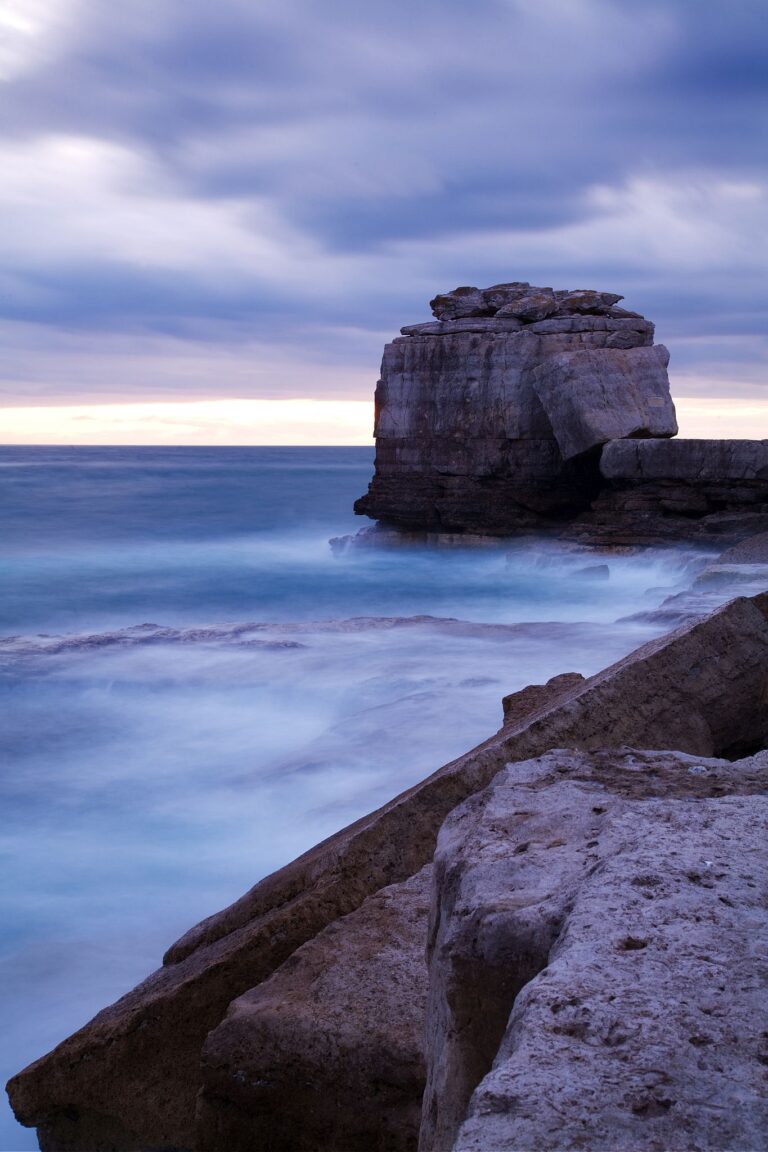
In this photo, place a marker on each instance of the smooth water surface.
(215, 691)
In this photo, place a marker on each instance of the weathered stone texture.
(660, 490)
(591, 397)
(463, 394)
(135, 1068)
(461, 398)
(686, 461)
(328, 1054)
(597, 971)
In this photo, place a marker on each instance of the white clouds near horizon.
(187, 188)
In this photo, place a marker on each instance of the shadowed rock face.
(489, 419)
(596, 977)
(130, 1078)
(328, 1054)
(659, 490)
(592, 397)
(521, 408)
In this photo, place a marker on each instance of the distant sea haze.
(196, 690)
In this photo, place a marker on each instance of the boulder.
(586, 300)
(589, 393)
(460, 302)
(500, 294)
(592, 397)
(129, 1079)
(752, 551)
(536, 304)
(596, 979)
(327, 1055)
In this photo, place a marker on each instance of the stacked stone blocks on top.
(521, 409)
(489, 418)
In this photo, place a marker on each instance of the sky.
(212, 212)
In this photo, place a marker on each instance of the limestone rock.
(705, 491)
(460, 302)
(475, 324)
(327, 1055)
(586, 300)
(535, 698)
(130, 1078)
(596, 976)
(500, 294)
(459, 418)
(534, 305)
(752, 551)
(556, 325)
(623, 312)
(593, 397)
(684, 460)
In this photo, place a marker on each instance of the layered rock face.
(490, 419)
(523, 408)
(655, 491)
(335, 1037)
(264, 1001)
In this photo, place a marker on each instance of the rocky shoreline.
(554, 941)
(524, 409)
(550, 942)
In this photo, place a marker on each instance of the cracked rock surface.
(520, 409)
(486, 416)
(130, 1079)
(328, 1053)
(599, 960)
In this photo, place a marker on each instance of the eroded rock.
(587, 300)
(656, 491)
(135, 1069)
(460, 302)
(592, 397)
(596, 976)
(534, 305)
(328, 1054)
(463, 442)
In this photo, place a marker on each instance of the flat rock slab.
(450, 327)
(591, 397)
(328, 1054)
(599, 921)
(685, 461)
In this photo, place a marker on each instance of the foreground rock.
(130, 1078)
(490, 421)
(328, 1054)
(613, 904)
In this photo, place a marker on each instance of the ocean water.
(195, 689)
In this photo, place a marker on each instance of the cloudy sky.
(209, 211)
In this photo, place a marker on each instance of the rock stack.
(492, 420)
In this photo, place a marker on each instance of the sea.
(196, 688)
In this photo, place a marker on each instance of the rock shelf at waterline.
(638, 790)
(524, 409)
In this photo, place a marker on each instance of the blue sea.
(196, 688)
